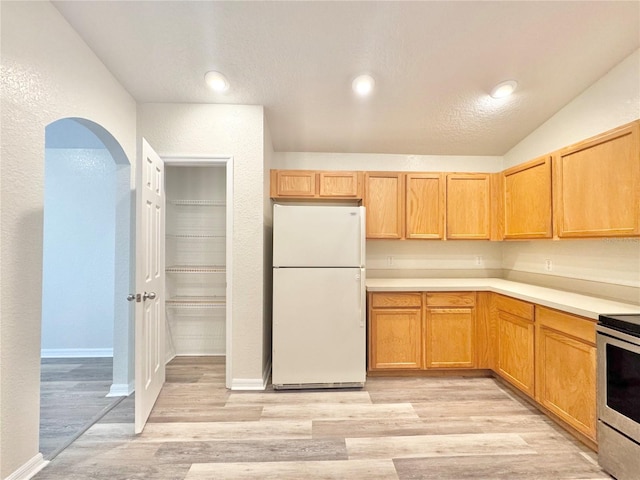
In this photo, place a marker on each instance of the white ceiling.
(434, 63)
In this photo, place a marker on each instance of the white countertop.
(577, 304)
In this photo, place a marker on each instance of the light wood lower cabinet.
(395, 331)
(516, 334)
(450, 330)
(486, 331)
(413, 331)
(515, 351)
(548, 355)
(566, 368)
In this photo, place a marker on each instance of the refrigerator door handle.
(363, 237)
(361, 277)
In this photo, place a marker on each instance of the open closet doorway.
(87, 337)
(198, 257)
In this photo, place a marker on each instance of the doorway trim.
(226, 160)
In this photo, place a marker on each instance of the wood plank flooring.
(396, 428)
(72, 396)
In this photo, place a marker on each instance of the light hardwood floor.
(72, 396)
(396, 428)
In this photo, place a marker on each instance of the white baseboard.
(29, 469)
(252, 383)
(76, 352)
(247, 384)
(170, 357)
(121, 389)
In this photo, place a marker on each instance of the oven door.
(619, 381)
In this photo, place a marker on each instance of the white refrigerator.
(319, 307)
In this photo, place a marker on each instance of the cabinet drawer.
(515, 307)
(578, 327)
(383, 300)
(451, 299)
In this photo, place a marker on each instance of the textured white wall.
(606, 260)
(237, 131)
(610, 102)
(48, 73)
(385, 162)
(79, 249)
(433, 258)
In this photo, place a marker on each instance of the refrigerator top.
(318, 236)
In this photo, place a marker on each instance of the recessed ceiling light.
(504, 89)
(363, 85)
(216, 81)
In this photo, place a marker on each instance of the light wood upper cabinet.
(468, 206)
(339, 184)
(384, 202)
(597, 185)
(566, 368)
(293, 183)
(450, 338)
(424, 205)
(306, 184)
(527, 200)
(395, 331)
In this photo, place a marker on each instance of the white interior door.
(150, 278)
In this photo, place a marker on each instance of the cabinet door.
(450, 339)
(468, 206)
(383, 200)
(527, 200)
(395, 339)
(515, 351)
(597, 189)
(339, 185)
(424, 205)
(566, 368)
(295, 183)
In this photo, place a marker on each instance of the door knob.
(149, 295)
(132, 296)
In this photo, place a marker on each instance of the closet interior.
(195, 260)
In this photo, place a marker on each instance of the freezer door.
(318, 326)
(318, 236)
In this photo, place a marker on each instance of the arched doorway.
(87, 327)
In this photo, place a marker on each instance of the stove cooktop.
(625, 322)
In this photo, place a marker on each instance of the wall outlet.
(479, 260)
(548, 265)
(390, 261)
